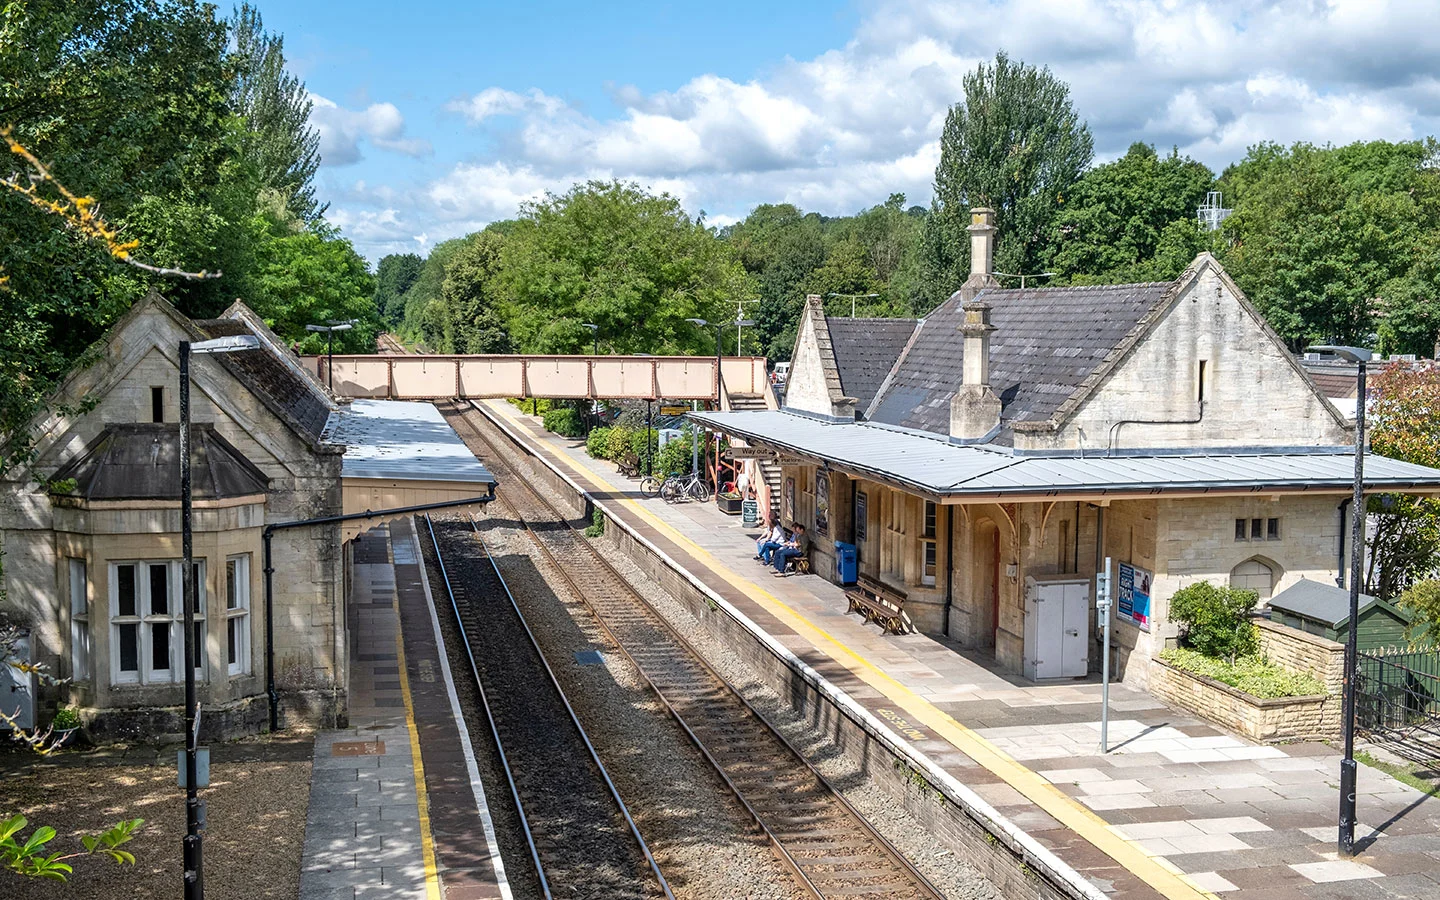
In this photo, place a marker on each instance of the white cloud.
(341, 131)
(844, 129)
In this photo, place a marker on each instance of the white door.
(1049, 644)
(17, 688)
(1075, 632)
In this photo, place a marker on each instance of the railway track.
(829, 847)
(583, 842)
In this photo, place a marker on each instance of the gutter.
(269, 532)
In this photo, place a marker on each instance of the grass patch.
(1254, 675)
(1405, 774)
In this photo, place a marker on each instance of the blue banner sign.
(1132, 595)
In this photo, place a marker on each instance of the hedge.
(1254, 675)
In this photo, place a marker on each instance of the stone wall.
(1303, 652)
(1268, 720)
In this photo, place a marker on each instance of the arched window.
(1254, 575)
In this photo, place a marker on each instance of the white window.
(237, 614)
(927, 544)
(147, 622)
(79, 622)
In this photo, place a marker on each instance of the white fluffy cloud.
(845, 129)
(341, 131)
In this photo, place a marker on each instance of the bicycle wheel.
(699, 490)
(670, 490)
(650, 486)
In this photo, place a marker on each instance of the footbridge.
(478, 377)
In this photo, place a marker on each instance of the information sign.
(1132, 595)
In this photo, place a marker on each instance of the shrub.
(1254, 675)
(1422, 600)
(1214, 620)
(540, 407)
(597, 443)
(674, 457)
(642, 445)
(618, 444)
(66, 717)
(563, 420)
(597, 524)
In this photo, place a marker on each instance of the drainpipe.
(949, 562)
(269, 532)
(1340, 550)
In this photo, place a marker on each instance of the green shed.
(1324, 610)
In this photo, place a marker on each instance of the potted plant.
(730, 502)
(65, 724)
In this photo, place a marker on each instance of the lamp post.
(595, 333)
(329, 329)
(852, 299)
(1360, 357)
(194, 876)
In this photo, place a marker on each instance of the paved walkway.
(370, 832)
(1178, 808)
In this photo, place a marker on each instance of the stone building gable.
(1148, 392)
(814, 382)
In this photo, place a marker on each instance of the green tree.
(307, 274)
(1123, 221)
(425, 318)
(612, 254)
(1405, 540)
(780, 247)
(469, 296)
(394, 275)
(277, 139)
(1318, 234)
(1016, 145)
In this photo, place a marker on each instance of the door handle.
(1073, 632)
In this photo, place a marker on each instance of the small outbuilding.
(1324, 610)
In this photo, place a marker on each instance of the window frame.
(81, 647)
(237, 617)
(146, 620)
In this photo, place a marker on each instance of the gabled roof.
(865, 351)
(141, 461)
(1048, 342)
(283, 387)
(1326, 603)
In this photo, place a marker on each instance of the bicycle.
(685, 487)
(650, 485)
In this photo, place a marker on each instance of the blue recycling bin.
(847, 562)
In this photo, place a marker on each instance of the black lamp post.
(329, 329)
(1360, 357)
(193, 857)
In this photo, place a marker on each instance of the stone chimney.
(982, 242)
(975, 410)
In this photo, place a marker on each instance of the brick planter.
(1269, 720)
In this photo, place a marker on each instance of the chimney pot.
(982, 241)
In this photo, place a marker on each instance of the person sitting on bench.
(798, 545)
(769, 542)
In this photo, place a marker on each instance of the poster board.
(787, 510)
(862, 520)
(822, 502)
(1132, 595)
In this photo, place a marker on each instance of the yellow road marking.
(1155, 871)
(422, 799)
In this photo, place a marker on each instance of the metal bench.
(880, 604)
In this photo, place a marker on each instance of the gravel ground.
(950, 874)
(701, 837)
(256, 813)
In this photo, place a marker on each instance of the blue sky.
(437, 117)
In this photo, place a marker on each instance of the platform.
(396, 806)
(1178, 808)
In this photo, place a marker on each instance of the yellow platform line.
(1154, 870)
(422, 798)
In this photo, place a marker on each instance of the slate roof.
(1322, 602)
(285, 389)
(1047, 342)
(142, 462)
(865, 351)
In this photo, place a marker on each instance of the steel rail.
(920, 882)
(560, 693)
(489, 716)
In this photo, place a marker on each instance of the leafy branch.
(29, 859)
(80, 214)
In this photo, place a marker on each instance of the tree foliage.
(1130, 220)
(471, 294)
(1404, 405)
(394, 275)
(1016, 145)
(1214, 620)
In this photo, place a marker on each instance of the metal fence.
(1397, 691)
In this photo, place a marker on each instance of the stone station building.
(90, 529)
(986, 459)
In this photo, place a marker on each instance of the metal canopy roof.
(402, 440)
(936, 466)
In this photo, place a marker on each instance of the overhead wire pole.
(1023, 277)
(853, 297)
(329, 329)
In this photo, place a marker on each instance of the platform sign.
(674, 410)
(1132, 595)
(751, 453)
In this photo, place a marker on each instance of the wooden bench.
(628, 469)
(881, 604)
